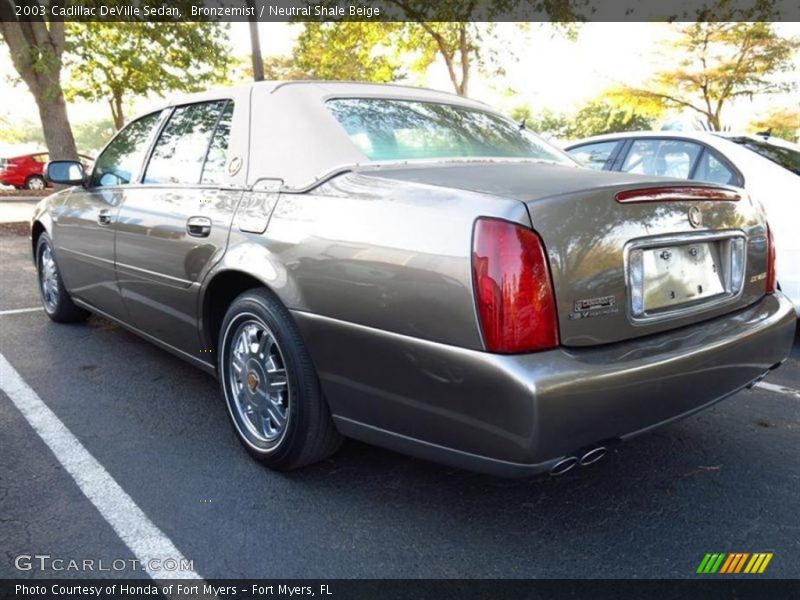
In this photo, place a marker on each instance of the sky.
(550, 71)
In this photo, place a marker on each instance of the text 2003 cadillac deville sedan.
(414, 270)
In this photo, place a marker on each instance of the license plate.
(681, 274)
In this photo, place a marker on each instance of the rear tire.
(270, 386)
(35, 182)
(56, 300)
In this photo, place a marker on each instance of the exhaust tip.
(564, 465)
(593, 455)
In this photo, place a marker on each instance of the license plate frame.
(674, 276)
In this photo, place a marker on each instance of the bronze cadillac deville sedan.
(412, 269)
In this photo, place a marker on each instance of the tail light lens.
(513, 291)
(771, 275)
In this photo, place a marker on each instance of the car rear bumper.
(519, 415)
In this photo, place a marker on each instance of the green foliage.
(460, 32)
(780, 122)
(91, 136)
(594, 118)
(350, 51)
(112, 61)
(711, 64)
(15, 131)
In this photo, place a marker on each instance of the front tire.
(55, 299)
(270, 385)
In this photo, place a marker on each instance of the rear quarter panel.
(383, 254)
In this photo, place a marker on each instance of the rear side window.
(180, 153)
(712, 170)
(594, 156)
(123, 157)
(387, 129)
(666, 158)
(214, 170)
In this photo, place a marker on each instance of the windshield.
(784, 154)
(386, 129)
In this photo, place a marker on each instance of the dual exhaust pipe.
(584, 459)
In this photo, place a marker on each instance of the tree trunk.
(255, 45)
(36, 53)
(464, 49)
(57, 131)
(117, 112)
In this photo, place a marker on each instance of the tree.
(604, 116)
(37, 48)
(457, 32)
(350, 51)
(717, 63)
(781, 122)
(596, 117)
(16, 131)
(112, 61)
(91, 136)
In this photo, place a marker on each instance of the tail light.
(513, 292)
(771, 275)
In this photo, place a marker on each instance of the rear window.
(385, 129)
(785, 156)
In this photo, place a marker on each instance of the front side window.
(385, 129)
(123, 157)
(665, 158)
(181, 150)
(594, 156)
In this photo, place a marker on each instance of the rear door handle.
(198, 226)
(104, 217)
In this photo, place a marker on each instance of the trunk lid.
(626, 269)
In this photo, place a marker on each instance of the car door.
(174, 225)
(86, 222)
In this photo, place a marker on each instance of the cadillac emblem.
(695, 217)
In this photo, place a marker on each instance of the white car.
(766, 167)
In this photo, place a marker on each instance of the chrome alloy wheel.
(48, 279)
(258, 381)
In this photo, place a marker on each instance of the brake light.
(771, 275)
(513, 292)
(676, 194)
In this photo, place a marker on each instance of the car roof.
(300, 142)
(706, 136)
(326, 88)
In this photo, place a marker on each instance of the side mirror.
(65, 172)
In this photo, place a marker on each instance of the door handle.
(104, 217)
(198, 226)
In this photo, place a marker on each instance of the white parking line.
(771, 387)
(147, 542)
(16, 311)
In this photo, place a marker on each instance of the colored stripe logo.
(734, 562)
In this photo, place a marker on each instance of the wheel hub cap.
(258, 382)
(48, 278)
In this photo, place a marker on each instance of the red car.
(26, 171)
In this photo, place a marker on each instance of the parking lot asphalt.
(725, 480)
